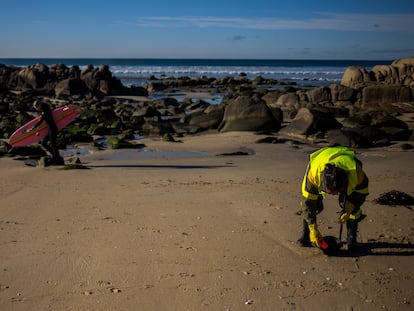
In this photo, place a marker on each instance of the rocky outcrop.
(385, 88)
(62, 81)
(382, 97)
(362, 114)
(400, 72)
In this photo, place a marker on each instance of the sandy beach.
(180, 226)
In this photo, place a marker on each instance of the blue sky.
(259, 29)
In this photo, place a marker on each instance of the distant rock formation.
(62, 81)
(400, 72)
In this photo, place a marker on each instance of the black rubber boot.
(304, 239)
(351, 237)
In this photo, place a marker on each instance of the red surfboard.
(25, 135)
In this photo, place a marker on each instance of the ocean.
(138, 71)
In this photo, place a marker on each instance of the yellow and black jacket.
(312, 191)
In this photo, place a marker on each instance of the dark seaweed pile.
(395, 197)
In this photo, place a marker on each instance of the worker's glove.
(315, 236)
(346, 212)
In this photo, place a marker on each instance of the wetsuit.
(47, 117)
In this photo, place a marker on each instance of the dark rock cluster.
(360, 112)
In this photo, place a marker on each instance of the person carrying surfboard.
(47, 117)
(335, 171)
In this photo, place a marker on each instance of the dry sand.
(176, 227)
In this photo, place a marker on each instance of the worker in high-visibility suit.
(333, 170)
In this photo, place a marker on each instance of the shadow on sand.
(160, 166)
(378, 249)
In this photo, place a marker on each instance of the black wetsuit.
(52, 132)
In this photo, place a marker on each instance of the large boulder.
(58, 72)
(355, 76)
(385, 73)
(310, 121)
(69, 87)
(32, 77)
(100, 80)
(319, 96)
(271, 97)
(248, 114)
(405, 67)
(288, 103)
(209, 118)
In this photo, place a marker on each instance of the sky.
(229, 29)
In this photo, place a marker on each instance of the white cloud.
(323, 21)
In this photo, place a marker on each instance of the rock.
(33, 77)
(409, 61)
(405, 68)
(100, 80)
(396, 134)
(378, 127)
(117, 143)
(70, 86)
(183, 128)
(319, 96)
(210, 118)
(311, 121)
(154, 87)
(355, 76)
(382, 119)
(146, 111)
(271, 98)
(169, 138)
(341, 93)
(248, 114)
(358, 120)
(373, 136)
(73, 134)
(288, 103)
(385, 73)
(381, 97)
(156, 128)
(346, 137)
(400, 72)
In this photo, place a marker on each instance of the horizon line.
(213, 58)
